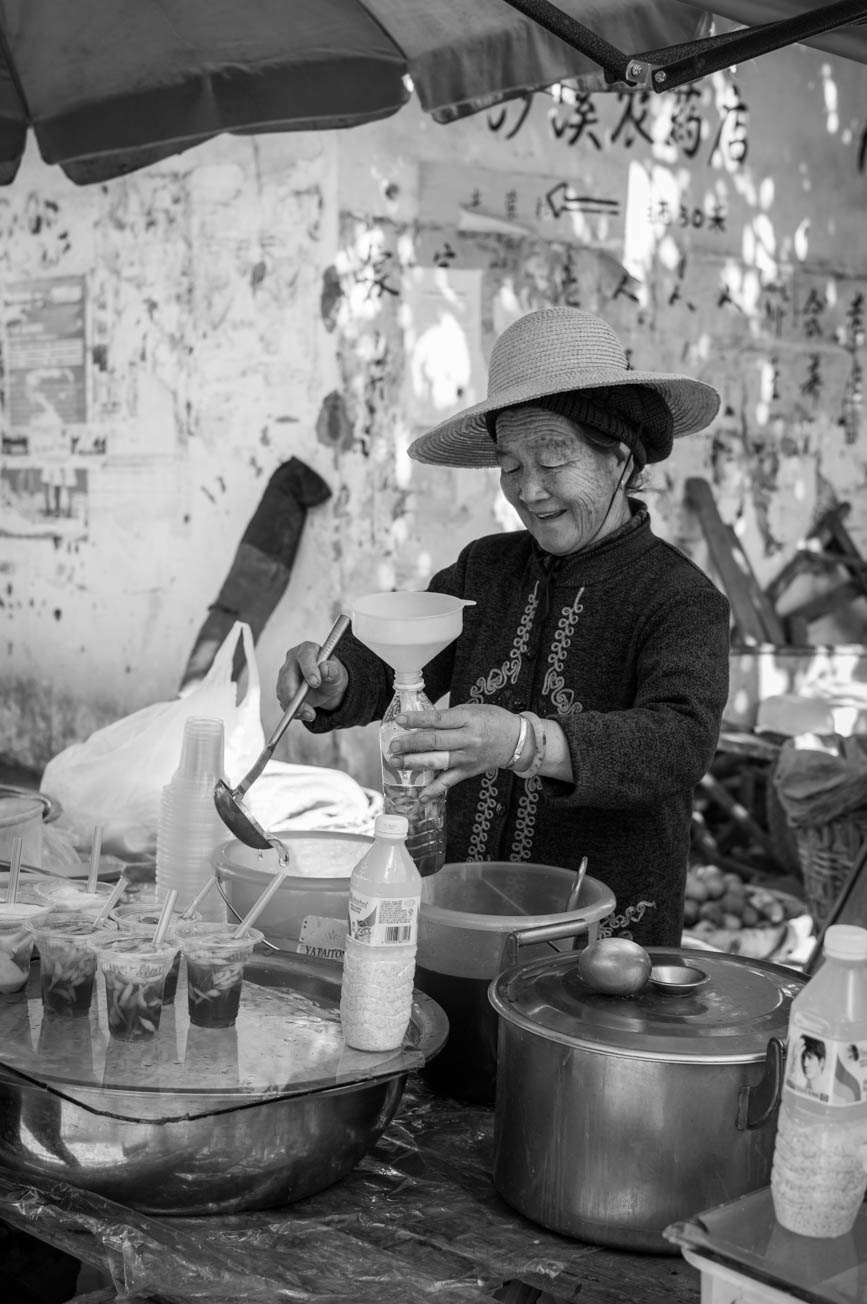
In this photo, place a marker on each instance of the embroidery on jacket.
(486, 686)
(484, 810)
(554, 685)
(619, 924)
(525, 821)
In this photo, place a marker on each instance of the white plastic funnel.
(407, 630)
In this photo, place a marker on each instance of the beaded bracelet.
(541, 740)
(519, 745)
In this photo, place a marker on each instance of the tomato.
(614, 966)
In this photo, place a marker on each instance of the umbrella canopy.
(108, 86)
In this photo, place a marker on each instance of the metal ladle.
(229, 801)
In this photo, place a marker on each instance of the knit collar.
(615, 549)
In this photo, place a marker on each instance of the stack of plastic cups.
(190, 829)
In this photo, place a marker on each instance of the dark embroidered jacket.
(626, 646)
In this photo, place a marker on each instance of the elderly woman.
(587, 687)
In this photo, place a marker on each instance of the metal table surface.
(417, 1218)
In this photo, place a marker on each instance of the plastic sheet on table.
(417, 1218)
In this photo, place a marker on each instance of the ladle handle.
(335, 634)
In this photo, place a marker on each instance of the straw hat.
(553, 351)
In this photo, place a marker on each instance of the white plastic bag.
(116, 776)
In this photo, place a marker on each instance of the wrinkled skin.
(560, 485)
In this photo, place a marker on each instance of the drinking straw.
(95, 849)
(198, 898)
(249, 920)
(111, 900)
(15, 868)
(165, 915)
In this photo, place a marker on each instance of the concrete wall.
(326, 296)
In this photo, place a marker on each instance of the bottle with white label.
(818, 1179)
(379, 962)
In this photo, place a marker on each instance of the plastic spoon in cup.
(258, 906)
(110, 901)
(14, 868)
(199, 898)
(95, 849)
(165, 916)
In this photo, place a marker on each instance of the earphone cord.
(617, 488)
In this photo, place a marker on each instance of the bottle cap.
(408, 679)
(846, 942)
(391, 826)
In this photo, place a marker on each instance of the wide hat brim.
(463, 439)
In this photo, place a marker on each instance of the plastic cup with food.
(16, 943)
(67, 894)
(134, 968)
(67, 961)
(142, 921)
(215, 971)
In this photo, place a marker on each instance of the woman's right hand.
(328, 680)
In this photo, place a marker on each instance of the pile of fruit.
(724, 911)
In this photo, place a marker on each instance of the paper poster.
(43, 501)
(44, 353)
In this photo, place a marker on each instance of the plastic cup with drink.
(141, 919)
(215, 971)
(67, 961)
(16, 943)
(73, 896)
(216, 955)
(135, 968)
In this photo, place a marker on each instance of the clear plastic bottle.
(818, 1178)
(379, 962)
(426, 839)
(190, 829)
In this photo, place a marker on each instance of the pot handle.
(541, 933)
(756, 1104)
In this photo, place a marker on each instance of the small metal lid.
(728, 1018)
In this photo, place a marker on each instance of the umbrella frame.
(675, 65)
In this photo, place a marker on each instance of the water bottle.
(190, 829)
(426, 839)
(818, 1178)
(379, 961)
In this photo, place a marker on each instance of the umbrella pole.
(613, 62)
(717, 52)
(674, 65)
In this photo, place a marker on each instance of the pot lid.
(730, 1016)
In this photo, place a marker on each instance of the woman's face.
(812, 1065)
(559, 485)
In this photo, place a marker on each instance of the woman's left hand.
(459, 741)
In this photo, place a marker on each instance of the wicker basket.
(827, 853)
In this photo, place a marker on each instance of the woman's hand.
(460, 741)
(328, 681)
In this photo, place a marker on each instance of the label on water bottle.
(383, 921)
(829, 1071)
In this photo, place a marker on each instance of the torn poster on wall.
(44, 353)
(45, 431)
(43, 502)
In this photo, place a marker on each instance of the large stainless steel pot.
(165, 1147)
(616, 1116)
